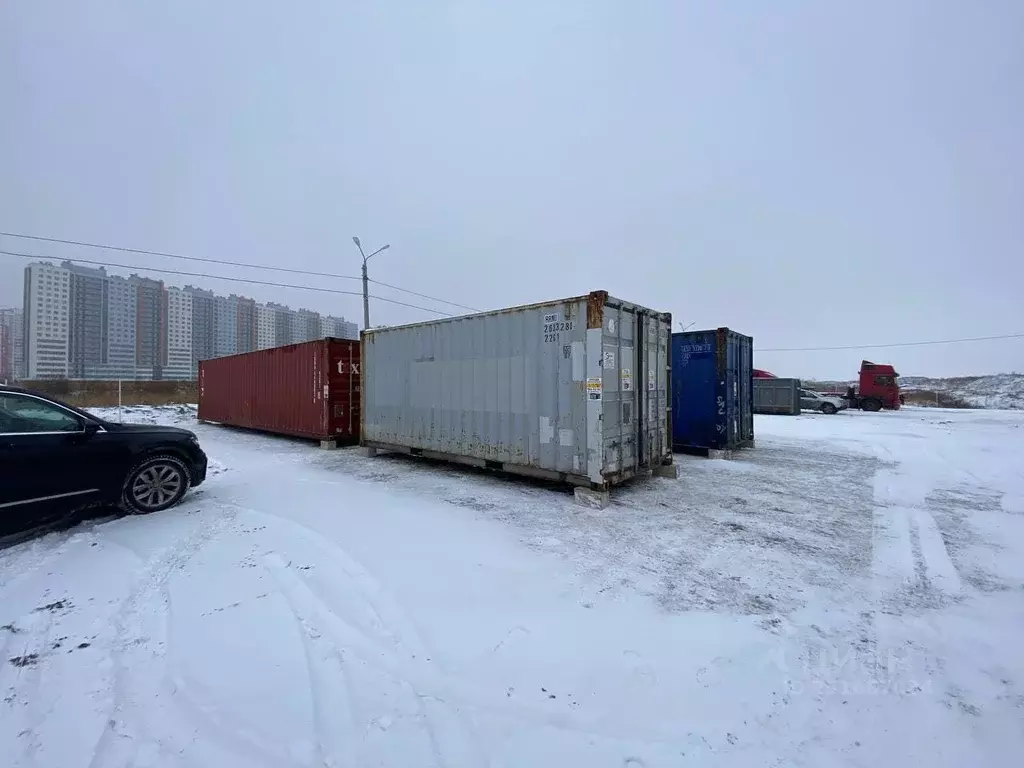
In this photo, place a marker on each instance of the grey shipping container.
(781, 396)
(575, 390)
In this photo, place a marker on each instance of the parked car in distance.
(56, 459)
(815, 401)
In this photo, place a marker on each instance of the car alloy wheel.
(156, 484)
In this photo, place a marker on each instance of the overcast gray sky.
(811, 173)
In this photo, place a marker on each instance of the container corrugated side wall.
(541, 389)
(290, 390)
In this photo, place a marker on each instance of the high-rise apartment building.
(80, 322)
(284, 325)
(122, 314)
(12, 344)
(47, 311)
(180, 364)
(225, 325)
(6, 352)
(307, 325)
(150, 327)
(203, 324)
(337, 327)
(266, 326)
(87, 321)
(246, 335)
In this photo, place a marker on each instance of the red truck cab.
(878, 388)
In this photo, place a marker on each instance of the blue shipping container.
(712, 389)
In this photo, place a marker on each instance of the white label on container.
(652, 380)
(609, 359)
(546, 430)
(327, 392)
(611, 325)
(565, 437)
(627, 380)
(552, 318)
(594, 388)
(578, 361)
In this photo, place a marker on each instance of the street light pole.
(366, 281)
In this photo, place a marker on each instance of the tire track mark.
(458, 739)
(140, 644)
(429, 683)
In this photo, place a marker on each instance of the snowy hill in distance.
(1004, 391)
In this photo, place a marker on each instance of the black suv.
(56, 459)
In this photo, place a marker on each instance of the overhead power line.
(424, 296)
(250, 281)
(901, 344)
(224, 262)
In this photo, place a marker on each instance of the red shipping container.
(306, 390)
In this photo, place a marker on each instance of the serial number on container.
(552, 330)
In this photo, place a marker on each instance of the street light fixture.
(366, 280)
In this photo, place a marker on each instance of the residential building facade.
(47, 314)
(225, 325)
(338, 328)
(12, 344)
(246, 335)
(80, 322)
(122, 314)
(150, 328)
(203, 324)
(266, 326)
(180, 363)
(87, 321)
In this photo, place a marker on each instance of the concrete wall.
(85, 393)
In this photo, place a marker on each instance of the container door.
(728, 352)
(656, 437)
(344, 381)
(746, 382)
(619, 376)
(694, 391)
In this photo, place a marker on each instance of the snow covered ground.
(849, 592)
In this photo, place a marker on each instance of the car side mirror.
(91, 428)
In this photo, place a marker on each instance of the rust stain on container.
(595, 308)
(307, 390)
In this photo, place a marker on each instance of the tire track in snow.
(341, 733)
(138, 656)
(457, 735)
(451, 740)
(427, 682)
(941, 573)
(911, 571)
(909, 558)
